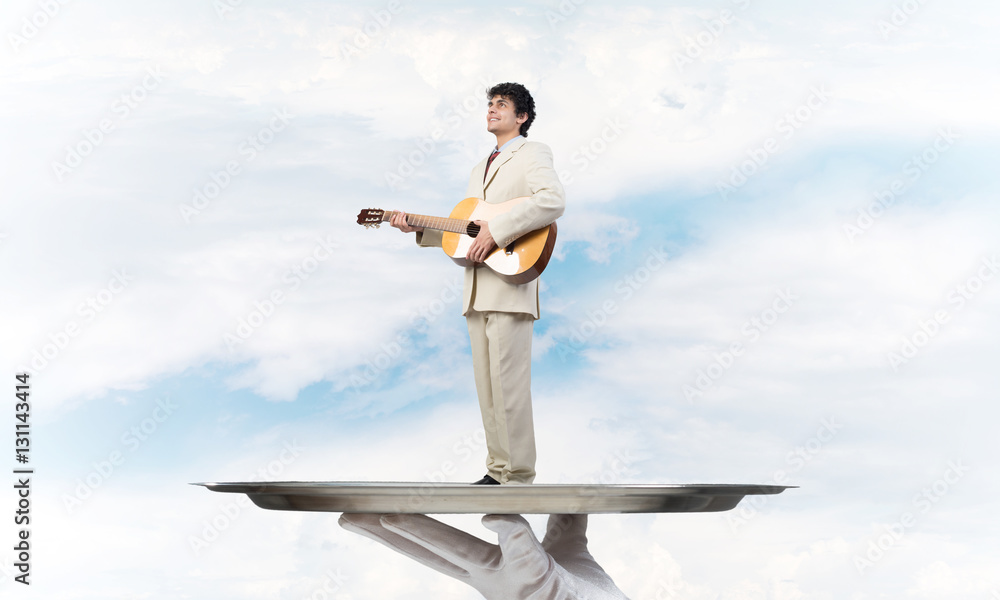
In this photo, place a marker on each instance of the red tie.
(490, 162)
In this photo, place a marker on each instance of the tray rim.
(464, 498)
(365, 487)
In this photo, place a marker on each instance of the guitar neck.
(441, 223)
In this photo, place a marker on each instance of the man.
(501, 315)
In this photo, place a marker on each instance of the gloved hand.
(520, 568)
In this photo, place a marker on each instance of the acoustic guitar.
(521, 261)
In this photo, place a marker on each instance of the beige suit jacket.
(523, 169)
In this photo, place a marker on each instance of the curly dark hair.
(520, 96)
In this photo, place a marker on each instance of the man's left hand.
(483, 244)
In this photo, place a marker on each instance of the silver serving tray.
(455, 498)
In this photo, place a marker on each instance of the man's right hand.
(518, 567)
(398, 220)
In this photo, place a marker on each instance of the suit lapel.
(498, 162)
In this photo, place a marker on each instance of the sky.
(778, 264)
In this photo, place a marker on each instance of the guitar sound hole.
(472, 230)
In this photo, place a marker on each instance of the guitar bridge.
(509, 249)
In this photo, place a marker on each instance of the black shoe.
(486, 480)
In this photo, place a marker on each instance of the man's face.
(500, 117)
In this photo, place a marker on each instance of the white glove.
(520, 568)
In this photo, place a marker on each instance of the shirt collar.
(509, 142)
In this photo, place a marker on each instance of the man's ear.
(521, 117)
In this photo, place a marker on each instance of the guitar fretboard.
(442, 223)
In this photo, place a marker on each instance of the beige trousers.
(501, 359)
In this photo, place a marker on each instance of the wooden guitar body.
(520, 262)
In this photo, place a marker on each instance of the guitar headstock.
(371, 217)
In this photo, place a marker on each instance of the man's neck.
(501, 140)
